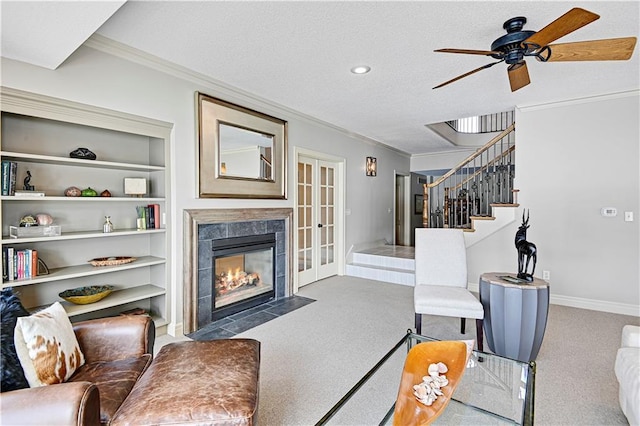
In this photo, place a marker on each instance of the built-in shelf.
(38, 132)
(49, 159)
(78, 271)
(83, 199)
(117, 298)
(81, 235)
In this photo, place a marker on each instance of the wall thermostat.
(608, 211)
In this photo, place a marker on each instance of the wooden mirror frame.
(215, 184)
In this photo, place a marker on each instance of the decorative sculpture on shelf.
(526, 251)
(27, 185)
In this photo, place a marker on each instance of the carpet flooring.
(312, 356)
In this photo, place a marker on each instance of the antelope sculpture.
(526, 251)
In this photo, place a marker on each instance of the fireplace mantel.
(195, 217)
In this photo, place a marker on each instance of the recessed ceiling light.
(360, 69)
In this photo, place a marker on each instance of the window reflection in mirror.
(245, 153)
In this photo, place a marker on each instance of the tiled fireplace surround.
(202, 226)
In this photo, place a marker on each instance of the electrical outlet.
(546, 275)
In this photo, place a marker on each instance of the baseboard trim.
(596, 305)
(175, 329)
(582, 303)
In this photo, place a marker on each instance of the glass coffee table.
(494, 390)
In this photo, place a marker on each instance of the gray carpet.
(315, 354)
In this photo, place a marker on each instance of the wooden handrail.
(472, 156)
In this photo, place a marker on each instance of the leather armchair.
(117, 351)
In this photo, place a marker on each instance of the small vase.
(108, 226)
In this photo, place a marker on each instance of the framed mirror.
(242, 152)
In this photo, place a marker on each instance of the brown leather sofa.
(205, 383)
(117, 351)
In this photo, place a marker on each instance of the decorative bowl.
(111, 261)
(454, 354)
(86, 295)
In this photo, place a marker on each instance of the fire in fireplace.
(243, 273)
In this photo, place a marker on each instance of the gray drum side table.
(515, 315)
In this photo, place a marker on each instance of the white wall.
(440, 160)
(590, 159)
(129, 85)
(572, 159)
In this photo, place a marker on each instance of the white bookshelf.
(38, 133)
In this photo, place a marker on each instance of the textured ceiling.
(298, 54)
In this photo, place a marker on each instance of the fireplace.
(243, 274)
(207, 230)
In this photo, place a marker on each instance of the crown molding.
(578, 101)
(114, 48)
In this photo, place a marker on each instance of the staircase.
(469, 193)
(476, 196)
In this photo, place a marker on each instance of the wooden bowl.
(410, 411)
(111, 261)
(86, 295)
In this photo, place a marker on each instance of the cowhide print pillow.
(47, 346)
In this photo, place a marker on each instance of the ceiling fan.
(514, 46)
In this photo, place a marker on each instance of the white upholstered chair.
(441, 279)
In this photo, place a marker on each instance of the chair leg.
(479, 334)
(463, 325)
(418, 323)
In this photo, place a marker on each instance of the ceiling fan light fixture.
(361, 69)
(512, 47)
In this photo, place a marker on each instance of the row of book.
(19, 264)
(148, 216)
(9, 171)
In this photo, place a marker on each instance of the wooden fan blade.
(467, 74)
(518, 76)
(567, 23)
(469, 51)
(612, 49)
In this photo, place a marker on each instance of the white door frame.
(407, 206)
(340, 207)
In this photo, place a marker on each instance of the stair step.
(383, 261)
(381, 273)
(504, 205)
(483, 218)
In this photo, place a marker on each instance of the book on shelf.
(19, 264)
(10, 264)
(5, 265)
(148, 216)
(154, 216)
(9, 171)
(13, 171)
(6, 166)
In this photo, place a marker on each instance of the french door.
(317, 219)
